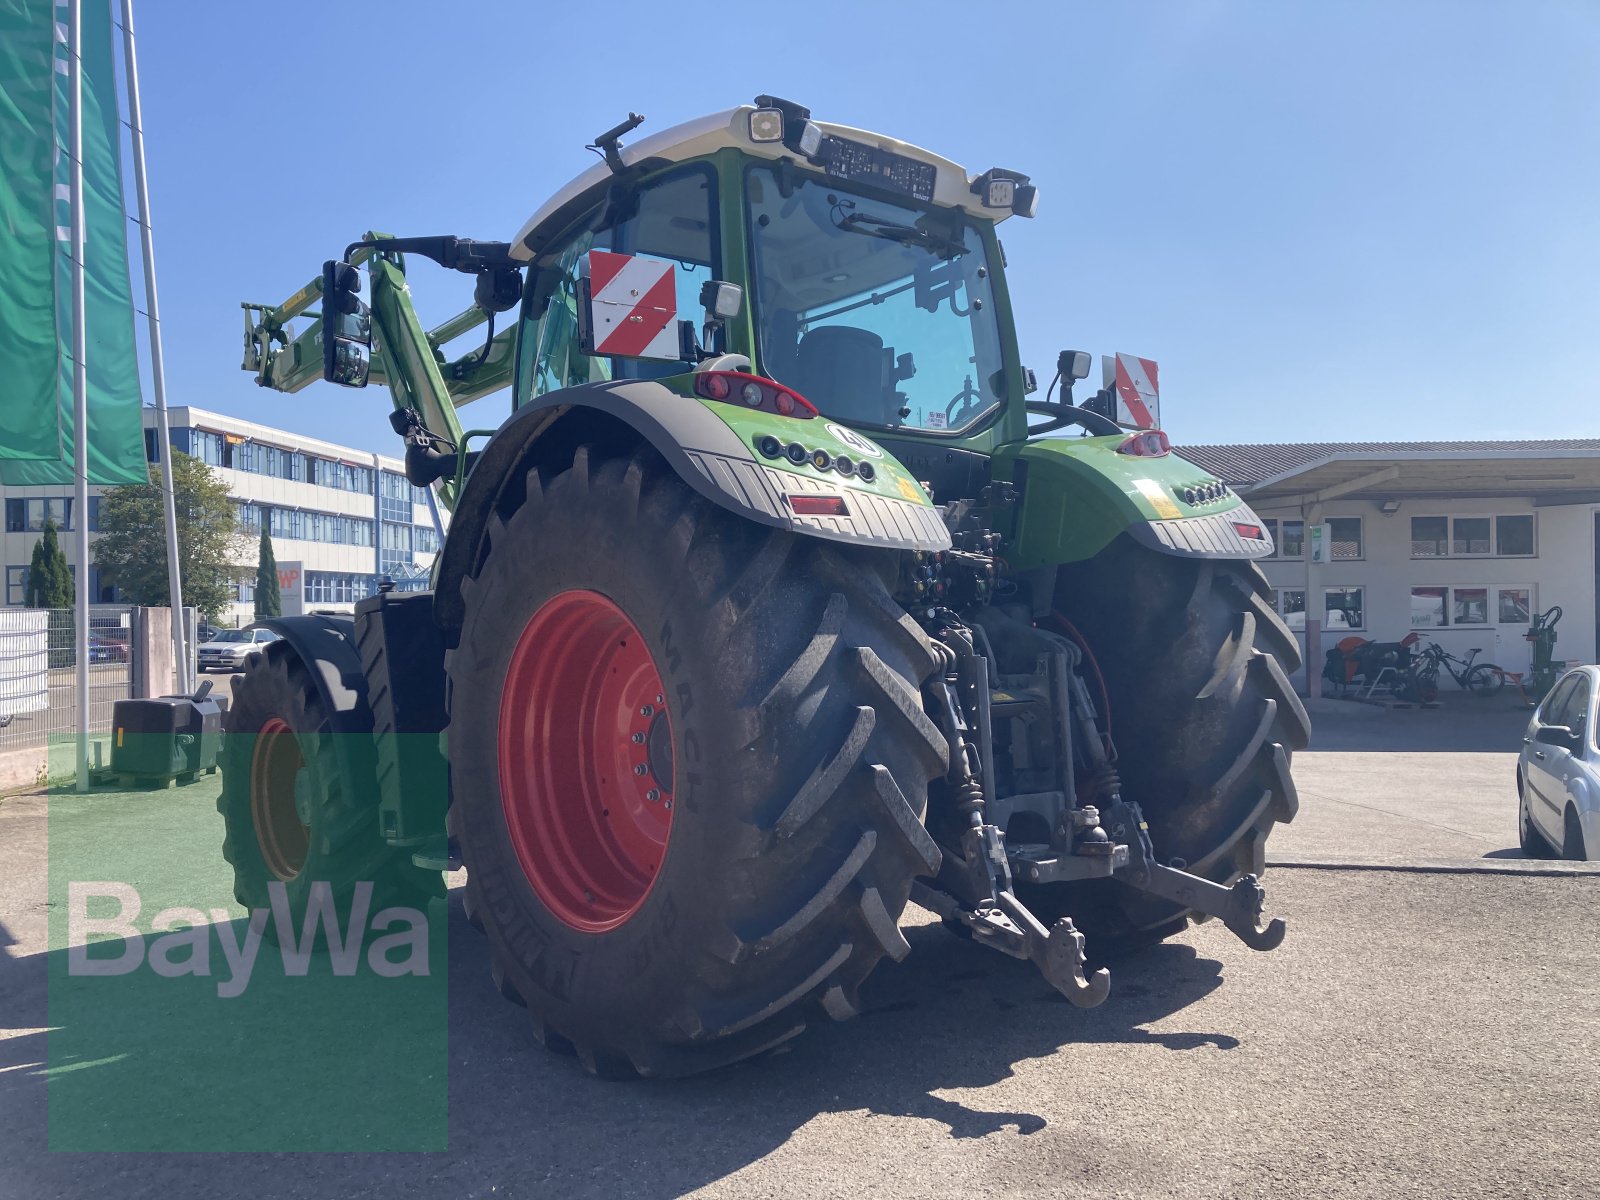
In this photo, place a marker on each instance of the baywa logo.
(398, 945)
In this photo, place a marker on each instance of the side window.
(671, 218)
(1575, 712)
(1556, 701)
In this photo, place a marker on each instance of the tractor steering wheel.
(968, 398)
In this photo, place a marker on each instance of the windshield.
(879, 313)
(232, 635)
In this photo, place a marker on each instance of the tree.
(268, 602)
(49, 577)
(211, 553)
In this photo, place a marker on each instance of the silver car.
(1558, 773)
(230, 649)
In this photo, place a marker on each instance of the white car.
(1558, 773)
(232, 648)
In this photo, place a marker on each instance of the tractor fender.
(1074, 496)
(326, 644)
(699, 447)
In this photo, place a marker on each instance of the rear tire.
(796, 756)
(1485, 680)
(1572, 846)
(1196, 664)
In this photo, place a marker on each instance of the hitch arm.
(1237, 907)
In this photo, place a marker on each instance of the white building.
(340, 518)
(1460, 541)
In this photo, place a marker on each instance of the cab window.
(672, 218)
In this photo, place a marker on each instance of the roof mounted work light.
(776, 120)
(1000, 188)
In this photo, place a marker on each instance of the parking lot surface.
(1427, 1032)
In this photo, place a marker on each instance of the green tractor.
(767, 611)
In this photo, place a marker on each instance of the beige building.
(1460, 541)
(340, 518)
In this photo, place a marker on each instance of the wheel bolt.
(668, 805)
(647, 711)
(638, 739)
(661, 699)
(640, 769)
(653, 795)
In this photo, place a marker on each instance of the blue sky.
(1326, 221)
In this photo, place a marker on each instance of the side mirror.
(346, 326)
(1556, 735)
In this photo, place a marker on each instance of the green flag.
(116, 429)
(30, 414)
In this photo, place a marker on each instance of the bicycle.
(1481, 679)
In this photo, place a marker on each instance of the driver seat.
(841, 369)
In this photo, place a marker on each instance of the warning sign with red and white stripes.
(633, 306)
(1138, 392)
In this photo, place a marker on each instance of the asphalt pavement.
(1429, 1028)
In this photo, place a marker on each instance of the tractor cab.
(867, 272)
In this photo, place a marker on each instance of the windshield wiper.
(906, 235)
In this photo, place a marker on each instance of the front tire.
(1196, 665)
(786, 733)
(300, 803)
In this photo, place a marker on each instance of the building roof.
(1243, 465)
(1550, 471)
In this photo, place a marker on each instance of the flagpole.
(80, 382)
(147, 251)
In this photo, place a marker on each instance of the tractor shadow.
(953, 1018)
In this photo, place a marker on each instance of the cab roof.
(731, 128)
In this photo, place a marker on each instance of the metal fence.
(38, 671)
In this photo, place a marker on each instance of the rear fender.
(701, 448)
(1078, 494)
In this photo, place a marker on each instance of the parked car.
(107, 647)
(230, 649)
(1558, 772)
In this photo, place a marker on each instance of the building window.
(1513, 536)
(1470, 535)
(1473, 537)
(425, 539)
(29, 516)
(1288, 538)
(1344, 537)
(1515, 606)
(1429, 607)
(1344, 608)
(207, 447)
(151, 446)
(16, 585)
(94, 514)
(1470, 607)
(337, 587)
(1292, 607)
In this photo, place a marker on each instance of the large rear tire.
(784, 744)
(1196, 666)
(300, 802)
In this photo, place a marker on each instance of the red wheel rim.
(586, 761)
(275, 763)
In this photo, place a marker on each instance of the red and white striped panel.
(633, 306)
(1138, 392)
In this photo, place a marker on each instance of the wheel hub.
(280, 799)
(586, 760)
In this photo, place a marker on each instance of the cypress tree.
(268, 602)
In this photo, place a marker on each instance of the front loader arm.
(409, 359)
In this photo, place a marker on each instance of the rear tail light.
(1153, 444)
(819, 506)
(752, 391)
